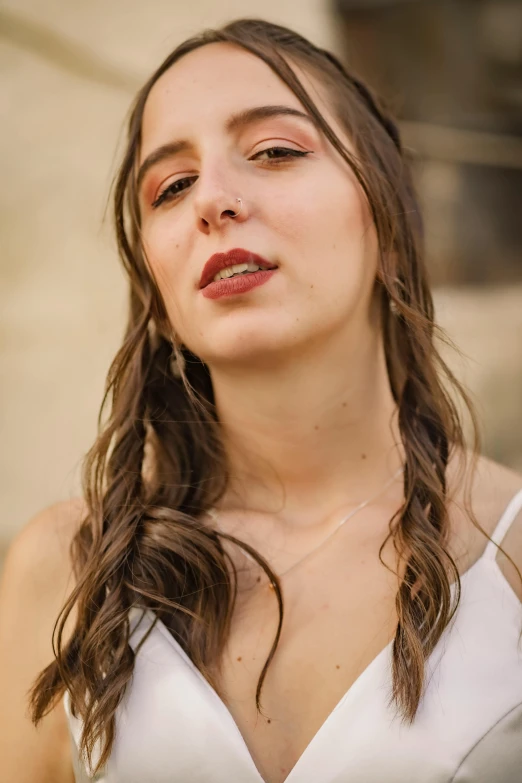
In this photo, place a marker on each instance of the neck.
(310, 434)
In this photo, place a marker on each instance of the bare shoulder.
(494, 488)
(38, 575)
(38, 558)
(51, 529)
(37, 579)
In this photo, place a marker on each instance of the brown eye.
(171, 191)
(280, 153)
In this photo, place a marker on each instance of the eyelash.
(168, 194)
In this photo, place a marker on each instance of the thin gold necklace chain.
(345, 519)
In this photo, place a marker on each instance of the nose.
(216, 205)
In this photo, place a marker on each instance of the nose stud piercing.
(240, 207)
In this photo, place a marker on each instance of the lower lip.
(240, 284)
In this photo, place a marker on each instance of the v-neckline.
(356, 684)
(352, 690)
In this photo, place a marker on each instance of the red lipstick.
(240, 283)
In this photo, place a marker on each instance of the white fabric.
(172, 727)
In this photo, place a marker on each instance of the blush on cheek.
(161, 276)
(293, 218)
(170, 286)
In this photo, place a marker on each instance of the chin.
(248, 347)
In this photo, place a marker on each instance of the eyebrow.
(235, 122)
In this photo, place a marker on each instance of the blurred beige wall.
(69, 71)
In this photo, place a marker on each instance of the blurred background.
(452, 70)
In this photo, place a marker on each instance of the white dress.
(172, 727)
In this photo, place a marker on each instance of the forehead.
(204, 87)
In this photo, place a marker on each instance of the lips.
(237, 255)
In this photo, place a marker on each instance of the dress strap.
(140, 620)
(503, 525)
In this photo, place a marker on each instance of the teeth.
(236, 269)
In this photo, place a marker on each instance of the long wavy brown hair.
(158, 464)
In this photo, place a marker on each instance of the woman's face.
(202, 147)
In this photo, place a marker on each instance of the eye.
(279, 153)
(275, 155)
(172, 191)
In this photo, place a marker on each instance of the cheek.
(164, 253)
(342, 210)
(331, 227)
(332, 201)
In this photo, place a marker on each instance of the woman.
(281, 444)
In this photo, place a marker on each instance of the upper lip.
(237, 255)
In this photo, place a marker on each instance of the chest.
(332, 630)
(174, 727)
(339, 615)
